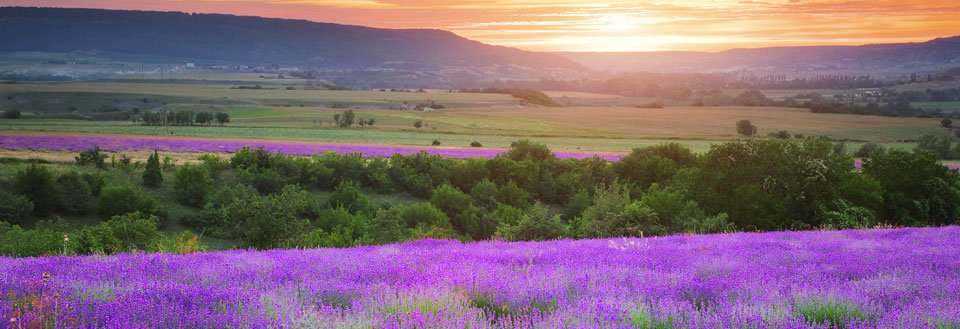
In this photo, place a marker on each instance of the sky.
(597, 25)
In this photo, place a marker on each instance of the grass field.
(944, 106)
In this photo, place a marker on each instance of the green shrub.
(94, 157)
(537, 225)
(485, 194)
(246, 158)
(192, 184)
(348, 196)
(452, 202)
(387, 226)
(75, 194)
(96, 182)
(832, 313)
(152, 177)
(423, 214)
(37, 183)
(577, 203)
(266, 181)
(45, 239)
(123, 233)
(125, 199)
(265, 222)
(14, 208)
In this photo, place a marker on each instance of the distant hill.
(932, 55)
(250, 40)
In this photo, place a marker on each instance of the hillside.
(932, 55)
(249, 40)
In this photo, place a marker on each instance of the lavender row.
(127, 143)
(891, 278)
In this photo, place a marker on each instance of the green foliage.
(452, 202)
(527, 150)
(266, 181)
(124, 199)
(577, 203)
(946, 123)
(152, 176)
(867, 149)
(222, 118)
(36, 182)
(348, 196)
(45, 239)
(422, 214)
(485, 194)
(939, 147)
(918, 189)
(475, 144)
(514, 195)
(613, 214)
(746, 128)
(831, 312)
(123, 233)
(92, 157)
(14, 208)
(387, 226)
(537, 225)
(192, 184)
(246, 158)
(264, 222)
(76, 197)
(643, 168)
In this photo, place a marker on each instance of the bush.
(263, 222)
(451, 201)
(192, 184)
(125, 199)
(485, 194)
(246, 158)
(436, 142)
(14, 208)
(746, 128)
(45, 239)
(867, 150)
(92, 157)
(36, 182)
(266, 181)
(387, 226)
(152, 177)
(124, 233)
(423, 214)
(538, 225)
(918, 189)
(475, 144)
(348, 196)
(76, 196)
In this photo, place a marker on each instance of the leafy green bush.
(451, 201)
(75, 194)
(265, 222)
(192, 184)
(45, 239)
(37, 183)
(421, 214)
(123, 233)
(246, 158)
(94, 157)
(537, 225)
(485, 194)
(124, 199)
(918, 189)
(348, 196)
(266, 181)
(387, 226)
(14, 208)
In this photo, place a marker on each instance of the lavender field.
(124, 143)
(890, 278)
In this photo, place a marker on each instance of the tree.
(418, 124)
(336, 119)
(223, 117)
(192, 184)
(422, 214)
(745, 128)
(92, 156)
(946, 123)
(348, 196)
(387, 226)
(348, 118)
(264, 222)
(122, 233)
(152, 176)
(371, 121)
(36, 182)
(918, 189)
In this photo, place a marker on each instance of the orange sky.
(596, 25)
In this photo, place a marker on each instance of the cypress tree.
(152, 177)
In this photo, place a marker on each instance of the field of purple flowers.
(124, 143)
(889, 278)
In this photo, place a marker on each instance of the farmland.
(886, 278)
(596, 122)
